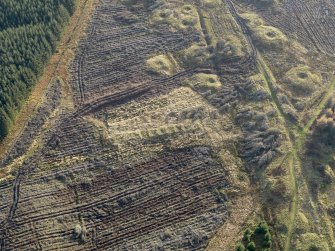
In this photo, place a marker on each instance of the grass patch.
(301, 81)
(204, 82)
(311, 242)
(177, 17)
(301, 224)
(266, 37)
(252, 19)
(160, 65)
(177, 119)
(277, 190)
(195, 55)
(211, 3)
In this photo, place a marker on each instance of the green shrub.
(240, 247)
(247, 235)
(251, 246)
(262, 228)
(247, 231)
(267, 244)
(267, 237)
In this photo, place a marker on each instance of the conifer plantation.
(29, 32)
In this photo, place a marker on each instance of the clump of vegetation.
(203, 82)
(166, 235)
(227, 98)
(126, 17)
(192, 113)
(177, 17)
(220, 194)
(276, 190)
(80, 233)
(61, 177)
(301, 223)
(328, 174)
(259, 239)
(196, 54)
(228, 48)
(301, 81)
(331, 210)
(194, 238)
(290, 112)
(251, 246)
(160, 65)
(325, 127)
(321, 147)
(240, 247)
(311, 242)
(260, 144)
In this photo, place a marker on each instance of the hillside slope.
(184, 125)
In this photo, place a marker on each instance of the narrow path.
(294, 204)
(292, 155)
(243, 27)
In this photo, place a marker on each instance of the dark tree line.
(29, 32)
